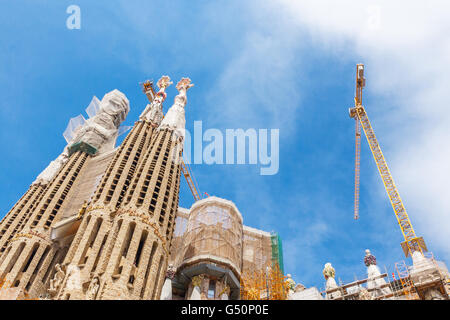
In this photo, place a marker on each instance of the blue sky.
(286, 65)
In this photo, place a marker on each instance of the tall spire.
(153, 112)
(174, 118)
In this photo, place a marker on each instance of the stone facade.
(99, 223)
(29, 254)
(121, 248)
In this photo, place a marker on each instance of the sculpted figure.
(73, 278)
(93, 288)
(57, 280)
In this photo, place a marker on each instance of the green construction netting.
(82, 146)
(277, 250)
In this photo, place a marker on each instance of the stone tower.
(122, 245)
(30, 255)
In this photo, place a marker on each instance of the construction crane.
(147, 88)
(412, 242)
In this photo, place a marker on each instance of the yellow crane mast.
(147, 88)
(412, 242)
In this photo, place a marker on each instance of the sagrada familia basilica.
(103, 222)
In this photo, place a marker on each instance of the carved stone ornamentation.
(171, 271)
(93, 288)
(57, 280)
(369, 259)
(153, 111)
(328, 271)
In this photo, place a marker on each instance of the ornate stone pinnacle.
(164, 82)
(369, 259)
(184, 83)
(328, 271)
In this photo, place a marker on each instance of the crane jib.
(412, 242)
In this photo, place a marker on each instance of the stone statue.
(57, 280)
(73, 278)
(153, 112)
(93, 288)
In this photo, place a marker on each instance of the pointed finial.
(328, 271)
(369, 259)
(184, 84)
(164, 82)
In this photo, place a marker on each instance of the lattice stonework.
(129, 246)
(29, 256)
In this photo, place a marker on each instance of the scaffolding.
(257, 250)
(355, 290)
(213, 233)
(264, 284)
(407, 287)
(277, 251)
